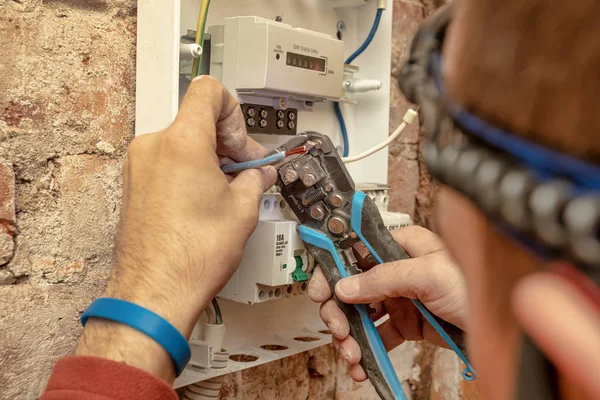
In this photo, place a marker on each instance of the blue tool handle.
(368, 225)
(375, 359)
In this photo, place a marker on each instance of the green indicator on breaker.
(298, 275)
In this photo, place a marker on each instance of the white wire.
(407, 119)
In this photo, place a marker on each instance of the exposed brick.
(7, 212)
(66, 116)
(7, 195)
(6, 247)
(6, 277)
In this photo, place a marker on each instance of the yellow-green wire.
(200, 35)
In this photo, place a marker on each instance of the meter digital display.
(305, 62)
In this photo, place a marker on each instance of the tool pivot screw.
(336, 225)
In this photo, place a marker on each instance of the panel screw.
(280, 114)
(251, 112)
(263, 113)
(296, 164)
(291, 125)
(336, 225)
(318, 144)
(292, 115)
(280, 124)
(251, 122)
(336, 200)
(262, 123)
(306, 167)
(328, 188)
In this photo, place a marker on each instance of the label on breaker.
(280, 244)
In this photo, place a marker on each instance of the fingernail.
(271, 174)
(348, 287)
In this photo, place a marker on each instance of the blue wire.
(229, 168)
(340, 117)
(358, 52)
(369, 38)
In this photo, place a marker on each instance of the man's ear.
(563, 319)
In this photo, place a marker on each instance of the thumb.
(252, 183)
(405, 278)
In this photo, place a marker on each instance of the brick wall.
(67, 71)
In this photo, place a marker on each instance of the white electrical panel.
(293, 69)
(257, 57)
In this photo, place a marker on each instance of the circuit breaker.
(275, 264)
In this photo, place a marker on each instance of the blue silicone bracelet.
(145, 321)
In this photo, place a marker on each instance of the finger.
(390, 336)
(417, 241)
(335, 319)
(349, 349)
(543, 303)
(251, 151)
(318, 288)
(252, 183)
(207, 104)
(357, 373)
(406, 278)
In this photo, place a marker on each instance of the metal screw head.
(263, 113)
(290, 175)
(296, 164)
(336, 225)
(318, 144)
(251, 122)
(306, 166)
(251, 112)
(328, 188)
(262, 123)
(309, 179)
(292, 115)
(280, 114)
(317, 213)
(283, 103)
(280, 124)
(336, 200)
(291, 124)
(341, 26)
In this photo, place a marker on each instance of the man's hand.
(184, 224)
(430, 276)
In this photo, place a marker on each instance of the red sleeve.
(93, 378)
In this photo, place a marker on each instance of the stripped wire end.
(297, 151)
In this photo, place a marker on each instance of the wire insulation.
(200, 35)
(340, 118)
(219, 316)
(369, 38)
(353, 56)
(407, 119)
(261, 162)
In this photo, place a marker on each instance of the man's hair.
(533, 66)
